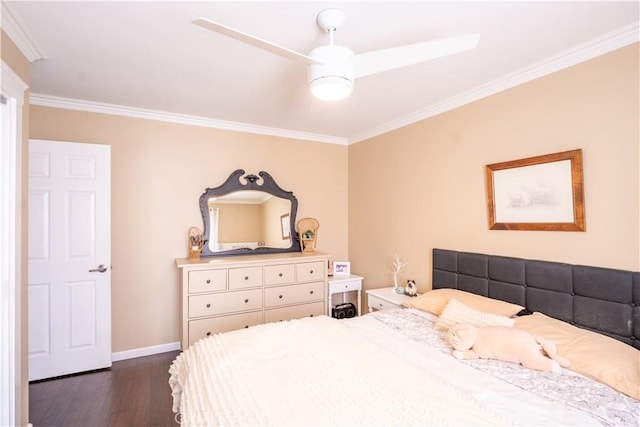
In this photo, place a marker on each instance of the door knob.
(101, 269)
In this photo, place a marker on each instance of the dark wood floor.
(133, 392)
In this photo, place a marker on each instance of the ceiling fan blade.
(378, 61)
(252, 40)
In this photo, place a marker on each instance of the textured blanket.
(319, 371)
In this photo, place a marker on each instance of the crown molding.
(184, 119)
(604, 44)
(17, 31)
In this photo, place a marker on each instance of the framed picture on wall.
(537, 193)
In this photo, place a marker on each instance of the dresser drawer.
(346, 285)
(279, 274)
(310, 271)
(380, 304)
(202, 328)
(293, 294)
(229, 302)
(294, 312)
(245, 277)
(207, 280)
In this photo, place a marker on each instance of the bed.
(395, 367)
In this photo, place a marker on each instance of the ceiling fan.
(332, 68)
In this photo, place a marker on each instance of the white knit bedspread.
(322, 371)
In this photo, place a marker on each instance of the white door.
(69, 258)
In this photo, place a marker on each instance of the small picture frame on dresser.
(341, 268)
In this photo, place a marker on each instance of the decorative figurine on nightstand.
(411, 289)
(307, 228)
(398, 265)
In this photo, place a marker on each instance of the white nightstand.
(344, 284)
(385, 298)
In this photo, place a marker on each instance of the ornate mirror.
(251, 217)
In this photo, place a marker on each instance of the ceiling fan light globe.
(331, 88)
(331, 77)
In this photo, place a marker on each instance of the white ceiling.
(148, 59)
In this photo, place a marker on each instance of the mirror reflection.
(248, 219)
(248, 214)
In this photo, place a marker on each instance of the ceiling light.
(331, 88)
(331, 75)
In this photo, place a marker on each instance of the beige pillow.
(594, 355)
(457, 312)
(434, 302)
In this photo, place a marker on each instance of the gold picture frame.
(537, 193)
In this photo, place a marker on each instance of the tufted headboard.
(599, 299)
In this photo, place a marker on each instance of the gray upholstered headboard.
(600, 299)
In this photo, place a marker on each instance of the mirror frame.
(233, 184)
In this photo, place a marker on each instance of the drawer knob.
(208, 280)
(208, 334)
(246, 300)
(311, 315)
(208, 305)
(246, 277)
(280, 296)
(279, 274)
(310, 271)
(246, 326)
(311, 292)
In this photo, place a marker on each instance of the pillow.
(594, 355)
(457, 312)
(434, 302)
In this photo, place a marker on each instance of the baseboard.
(144, 351)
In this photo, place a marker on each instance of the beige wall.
(239, 222)
(12, 56)
(423, 186)
(159, 171)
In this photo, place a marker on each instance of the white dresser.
(221, 294)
